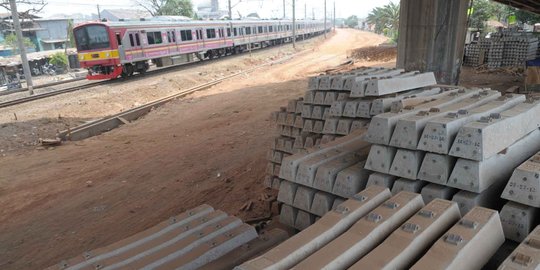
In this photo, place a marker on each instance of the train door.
(200, 38)
(136, 50)
(121, 51)
(222, 36)
(172, 43)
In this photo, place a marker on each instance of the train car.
(113, 49)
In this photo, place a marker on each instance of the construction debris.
(374, 53)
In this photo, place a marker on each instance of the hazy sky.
(265, 8)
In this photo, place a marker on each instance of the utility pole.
(230, 10)
(324, 18)
(22, 49)
(313, 13)
(294, 24)
(334, 15)
(305, 11)
(98, 12)
(284, 15)
(230, 20)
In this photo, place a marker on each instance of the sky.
(265, 8)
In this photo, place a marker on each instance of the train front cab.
(98, 51)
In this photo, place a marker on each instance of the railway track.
(93, 84)
(50, 94)
(108, 123)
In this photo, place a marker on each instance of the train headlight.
(81, 57)
(107, 54)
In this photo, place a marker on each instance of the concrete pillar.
(432, 37)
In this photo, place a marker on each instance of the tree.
(33, 7)
(526, 17)
(59, 59)
(386, 20)
(11, 41)
(480, 13)
(484, 10)
(168, 7)
(352, 21)
(178, 7)
(70, 36)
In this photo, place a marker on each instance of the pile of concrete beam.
(476, 53)
(508, 48)
(463, 147)
(375, 230)
(495, 57)
(336, 105)
(314, 180)
(526, 255)
(522, 212)
(201, 238)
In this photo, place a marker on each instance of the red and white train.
(112, 49)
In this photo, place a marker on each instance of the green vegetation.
(178, 7)
(386, 20)
(59, 59)
(168, 7)
(352, 21)
(11, 41)
(485, 10)
(71, 37)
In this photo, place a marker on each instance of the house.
(46, 34)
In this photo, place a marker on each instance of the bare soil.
(206, 148)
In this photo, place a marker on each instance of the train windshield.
(92, 37)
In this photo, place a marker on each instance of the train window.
(173, 35)
(228, 32)
(260, 29)
(92, 37)
(270, 29)
(241, 31)
(137, 39)
(210, 33)
(118, 39)
(154, 37)
(186, 35)
(169, 39)
(131, 42)
(248, 31)
(235, 31)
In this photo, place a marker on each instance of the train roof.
(143, 23)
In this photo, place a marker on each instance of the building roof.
(126, 13)
(529, 5)
(7, 15)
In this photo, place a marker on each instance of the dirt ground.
(207, 148)
(500, 80)
(23, 125)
